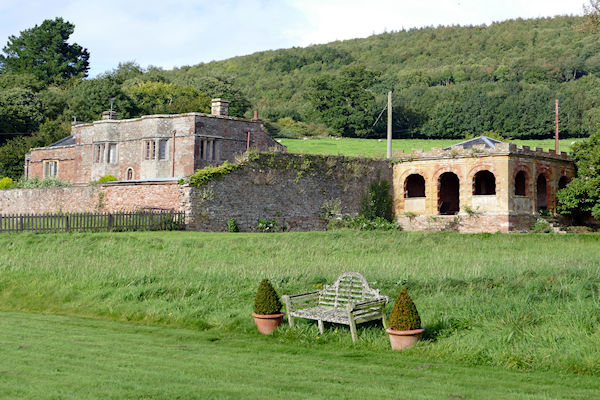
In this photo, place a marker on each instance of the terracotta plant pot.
(267, 323)
(401, 340)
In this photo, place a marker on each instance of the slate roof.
(484, 140)
(68, 141)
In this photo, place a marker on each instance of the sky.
(175, 33)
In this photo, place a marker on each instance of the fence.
(86, 222)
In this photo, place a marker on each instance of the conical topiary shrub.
(405, 324)
(404, 315)
(267, 300)
(267, 308)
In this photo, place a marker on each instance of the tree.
(167, 98)
(20, 111)
(581, 197)
(344, 101)
(44, 52)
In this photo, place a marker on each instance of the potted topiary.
(267, 308)
(405, 324)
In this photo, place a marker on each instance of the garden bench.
(349, 301)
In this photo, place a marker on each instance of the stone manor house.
(148, 148)
(480, 185)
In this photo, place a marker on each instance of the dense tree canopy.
(44, 52)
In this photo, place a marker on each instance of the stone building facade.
(481, 185)
(150, 147)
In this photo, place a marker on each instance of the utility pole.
(389, 126)
(556, 126)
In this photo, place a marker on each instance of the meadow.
(378, 148)
(522, 302)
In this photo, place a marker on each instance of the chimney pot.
(219, 107)
(109, 115)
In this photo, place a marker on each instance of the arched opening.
(542, 193)
(129, 174)
(521, 184)
(414, 186)
(563, 182)
(484, 183)
(448, 194)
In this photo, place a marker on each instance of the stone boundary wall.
(288, 188)
(99, 198)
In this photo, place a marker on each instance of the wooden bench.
(349, 301)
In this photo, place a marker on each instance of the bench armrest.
(375, 303)
(303, 300)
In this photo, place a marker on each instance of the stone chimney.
(109, 115)
(219, 107)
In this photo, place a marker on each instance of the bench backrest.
(350, 287)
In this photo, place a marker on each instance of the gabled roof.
(68, 141)
(484, 140)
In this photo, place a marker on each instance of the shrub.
(541, 226)
(267, 225)
(267, 300)
(40, 183)
(6, 183)
(404, 315)
(378, 201)
(202, 176)
(107, 178)
(232, 225)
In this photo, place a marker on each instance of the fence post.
(110, 222)
(67, 224)
(20, 223)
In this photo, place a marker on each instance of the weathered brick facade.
(478, 188)
(150, 147)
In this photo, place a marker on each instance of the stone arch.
(414, 186)
(542, 192)
(521, 182)
(484, 183)
(563, 181)
(129, 174)
(448, 193)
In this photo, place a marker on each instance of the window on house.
(521, 184)
(414, 186)
(112, 153)
(208, 149)
(162, 149)
(99, 153)
(129, 174)
(150, 150)
(50, 169)
(484, 183)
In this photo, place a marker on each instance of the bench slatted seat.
(348, 301)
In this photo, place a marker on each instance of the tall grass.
(516, 301)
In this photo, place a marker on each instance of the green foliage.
(363, 224)
(40, 183)
(44, 52)
(344, 101)
(404, 315)
(12, 153)
(232, 226)
(20, 111)
(267, 225)
(167, 98)
(378, 202)
(89, 98)
(202, 176)
(541, 226)
(6, 183)
(581, 197)
(288, 127)
(107, 178)
(267, 300)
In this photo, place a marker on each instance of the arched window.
(521, 184)
(129, 174)
(542, 193)
(563, 182)
(484, 183)
(448, 194)
(414, 186)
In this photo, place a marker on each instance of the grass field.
(59, 357)
(377, 148)
(522, 302)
